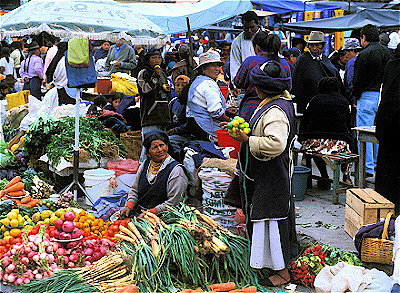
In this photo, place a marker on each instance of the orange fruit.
(82, 213)
(91, 217)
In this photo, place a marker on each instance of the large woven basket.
(378, 250)
(132, 140)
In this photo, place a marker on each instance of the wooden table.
(365, 134)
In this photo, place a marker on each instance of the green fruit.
(246, 125)
(236, 118)
(246, 131)
(229, 125)
(242, 126)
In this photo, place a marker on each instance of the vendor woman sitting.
(160, 181)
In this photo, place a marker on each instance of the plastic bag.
(78, 52)
(106, 206)
(123, 166)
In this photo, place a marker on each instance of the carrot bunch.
(15, 188)
(223, 287)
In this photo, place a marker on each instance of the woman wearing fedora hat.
(206, 105)
(32, 70)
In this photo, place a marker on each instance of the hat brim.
(316, 42)
(220, 63)
(33, 48)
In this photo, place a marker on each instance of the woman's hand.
(240, 136)
(124, 213)
(223, 124)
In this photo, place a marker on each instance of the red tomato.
(18, 240)
(117, 222)
(3, 242)
(124, 222)
(110, 233)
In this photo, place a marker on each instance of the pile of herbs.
(56, 139)
(7, 158)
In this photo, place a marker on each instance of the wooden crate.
(363, 207)
(132, 140)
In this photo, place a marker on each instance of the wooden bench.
(334, 162)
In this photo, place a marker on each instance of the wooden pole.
(191, 51)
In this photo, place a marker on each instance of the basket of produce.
(132, 140)
(379, 250)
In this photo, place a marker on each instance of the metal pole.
(191, 51)
(76, 146)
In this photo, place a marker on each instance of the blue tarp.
(382, 18)
(171, 18)
(287, 6)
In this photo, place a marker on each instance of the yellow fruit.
(21, 221)
(7, 238)
(3, 228)
(60, 212)
(5, 221)
(6, 233)
(15, 211)
(15, 232)
(14, 223)
(91, 217)
(46, 221)
(241, 120)
(235, 123)
(246, 130)
(53, 219)
(12, 215)
(36, 217)
(45, 214)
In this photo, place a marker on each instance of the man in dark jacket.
(387, 180)
(367, 81)
(310, 67)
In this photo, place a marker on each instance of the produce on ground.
(305, 269)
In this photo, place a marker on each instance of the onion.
(13, 251)
(69, 216)
(88, 251)
(76, 233)
(31, 254)
(58, 224)
(35, 272)
(26, 280)
(25, 260)
(97, 255)
(28, 249)
(11, 278)
(72, 244)
(49, 249)
(5, 277)
(43, 255)
(71, 265)
(50, 258)
(11, 267)
(38, 276)
(103, 251)
(61, 251)
(19, 281)
(6, 261)
(34, 247)
(35, 257)
(68, 226)
(73, 257)
(87, 263)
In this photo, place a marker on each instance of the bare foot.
(281, 277)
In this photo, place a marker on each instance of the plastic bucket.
(97, 184)
(224, 140)
(125, 181)
(299, 182)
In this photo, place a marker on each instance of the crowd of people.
(182, 108)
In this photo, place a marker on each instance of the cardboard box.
(364, 207)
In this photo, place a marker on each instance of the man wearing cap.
(10, 80)
(32, 70)
(121, 57)
(352, 48)
(278, 32)
(185, 65)
(368, 76)
(311, 66)
(242, 46)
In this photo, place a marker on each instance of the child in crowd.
(110, 119)
(115, 100)
(3, 90)
(179, 133)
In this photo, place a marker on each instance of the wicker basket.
(378, 250)
(132, 140)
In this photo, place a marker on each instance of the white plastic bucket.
(125, 182)
(97, 184)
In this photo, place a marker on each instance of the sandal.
(268, 282)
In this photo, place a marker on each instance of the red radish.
(76, 233)
(36, 258)
(38, 276)
(72, 244)
(69, 216)
(57, 234)
(26, 280)
(71, 265)
(61, 251)
(10, 268)
(50, 258)
(58, 224)
(6, 261)
(31, 254)
(68, 226)
(11, 278)
(19, 281)
(88, 251)
(25, 260)
(49, 249)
